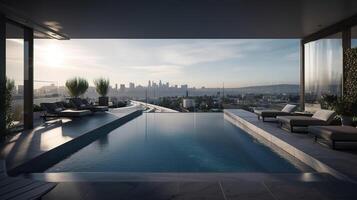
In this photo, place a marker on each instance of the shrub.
(9, 116)
(350, 84)
(76, 86)
(328, 101)
(102, 86)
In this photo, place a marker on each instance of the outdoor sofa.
(287, 110)
(56, 110)
(83, 104)
(334, 134)
(319, 118)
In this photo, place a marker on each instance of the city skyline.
(196, 62)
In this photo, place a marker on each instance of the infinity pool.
(178, 142)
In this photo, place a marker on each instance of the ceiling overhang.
(184, 18)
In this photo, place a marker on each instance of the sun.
(54, 56)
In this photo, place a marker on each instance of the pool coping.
(275, 140)
(47, 159)
(177, 176)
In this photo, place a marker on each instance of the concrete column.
(302, 75)
(28, 78)
(2, 73)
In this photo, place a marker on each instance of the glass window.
(15, 73)
(354, 37)
(323, 70)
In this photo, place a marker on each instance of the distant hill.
(266, 89)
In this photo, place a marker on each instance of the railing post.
(28, 78)
(2, 73)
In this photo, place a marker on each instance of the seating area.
(319, 125)
(83, 104)
(287, 110)
(334, 134)
(75, 109)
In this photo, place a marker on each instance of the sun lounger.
(334, 133)
(320, 118)
(53, 110)
(287, 110)
(83, 104)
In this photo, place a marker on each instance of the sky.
(196, 62)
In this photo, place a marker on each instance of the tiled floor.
(234, 190)
(240, 186)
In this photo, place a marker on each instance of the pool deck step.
(40, 148)
(339, 163)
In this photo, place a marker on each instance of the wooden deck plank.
(21, 188)
(21, 191)
(36, 192)
(7, 181)
(16, 186)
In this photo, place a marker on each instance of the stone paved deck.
(339, 163)
(35, 150)
(220, 186)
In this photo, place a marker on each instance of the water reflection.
(103, 142)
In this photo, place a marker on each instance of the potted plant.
(102, 87)
(76, 86)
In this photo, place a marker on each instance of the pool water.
(178, 142)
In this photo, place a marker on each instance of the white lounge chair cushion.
(289, 108)
(325, 115)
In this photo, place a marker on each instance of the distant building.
(122, 88)
(184, 87)
(131, 85)
(188, 103)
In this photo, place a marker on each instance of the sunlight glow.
(54, 56)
